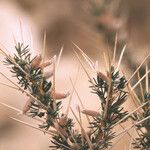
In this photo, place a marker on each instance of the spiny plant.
(101, 133)
(112, 95)
(43, 104)
(31, 77)
(143, 140)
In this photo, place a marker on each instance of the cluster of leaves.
(31, 78)
(142, 142)
(112, 95)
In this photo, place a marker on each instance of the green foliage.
(110, 115)
(32, 79)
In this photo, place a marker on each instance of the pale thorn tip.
(68, 93)
(54, 58)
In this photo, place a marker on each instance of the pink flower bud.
(59, 96)
(103, 77)
(91, 113)
(36, 61)
(46, 64)
(63, 120)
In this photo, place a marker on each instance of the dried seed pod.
(63, 120)
(103, 77)
(91, 113)
(49, 74)
(36, 61)
(27, 105)
(59, 96)
(45, 64)
(48, 63)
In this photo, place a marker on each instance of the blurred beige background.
(66, 21)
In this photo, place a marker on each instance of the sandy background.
(64, 21)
